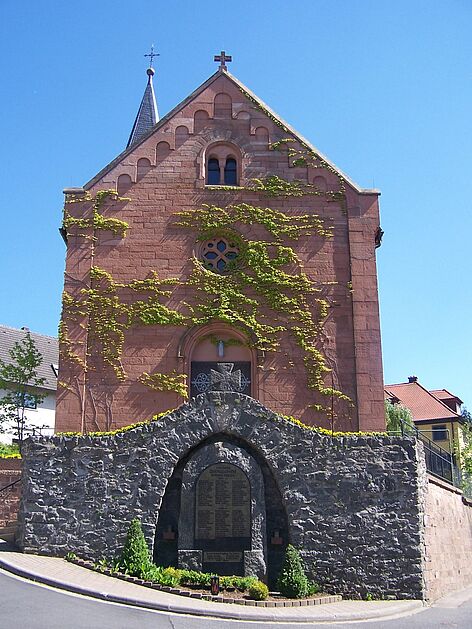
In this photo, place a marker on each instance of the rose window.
(219, 254)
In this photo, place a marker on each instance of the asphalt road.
(26, 605)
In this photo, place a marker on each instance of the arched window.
(223, 164)
(231, 172)
(213, 172)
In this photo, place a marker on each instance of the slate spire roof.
(147, 113)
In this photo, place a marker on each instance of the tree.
(466, 416)
(466, 454)
(20, 382)
(398, 418)
(135, 559)
(292, 581)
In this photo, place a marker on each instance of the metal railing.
(15, 482)
(439, 462)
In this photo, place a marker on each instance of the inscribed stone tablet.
(223, 503)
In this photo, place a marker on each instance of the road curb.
(239, 613)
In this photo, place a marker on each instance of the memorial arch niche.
(222, 523)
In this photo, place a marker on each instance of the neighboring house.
(40, 420)
(437, 413)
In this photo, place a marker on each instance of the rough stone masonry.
(353, 505)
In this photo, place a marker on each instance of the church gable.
(223, 109)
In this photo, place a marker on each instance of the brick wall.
(10, 471)
(448, 539)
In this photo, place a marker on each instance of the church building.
(219, 251)
(221, 280)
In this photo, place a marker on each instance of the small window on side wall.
(213, 172)
(439, 433)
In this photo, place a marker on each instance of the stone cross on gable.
(225, 378)
(223, 58)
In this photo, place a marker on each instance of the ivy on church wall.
(265, 289)
(166, 382)
(97, 220)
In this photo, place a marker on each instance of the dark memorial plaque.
(223, 504)
(223, 516)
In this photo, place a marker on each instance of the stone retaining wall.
(448, 539)
(353, 504)
(10, 471)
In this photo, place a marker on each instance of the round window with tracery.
(219, 254)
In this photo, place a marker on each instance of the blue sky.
(382, 88)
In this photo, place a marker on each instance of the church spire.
(147, 112)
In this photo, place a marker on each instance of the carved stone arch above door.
(219, 357)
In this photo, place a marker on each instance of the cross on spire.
(223, 58)
(152, 54)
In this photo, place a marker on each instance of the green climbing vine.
(267, 290)
(109, 315)
(97, 220)
(166, 382)
(264, 290)
(155, 418)
(308, 158)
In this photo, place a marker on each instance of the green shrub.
(227, 582)
(243, 583)
(8, 451)
(134, 559)
(70, 556)
(193, 577)
(170, 576)
(258, 591)
(292, 581)
(313, 588)
(152, 573)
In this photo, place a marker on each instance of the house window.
(26, 400)
(439, 433)
(231, 174)
(213, 173)
(219, 254)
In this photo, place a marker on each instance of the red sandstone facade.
(166, 172)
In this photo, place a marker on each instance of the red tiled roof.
(421, 402)
(444, 394)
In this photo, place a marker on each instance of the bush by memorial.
(135, 561)
(292, 581)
